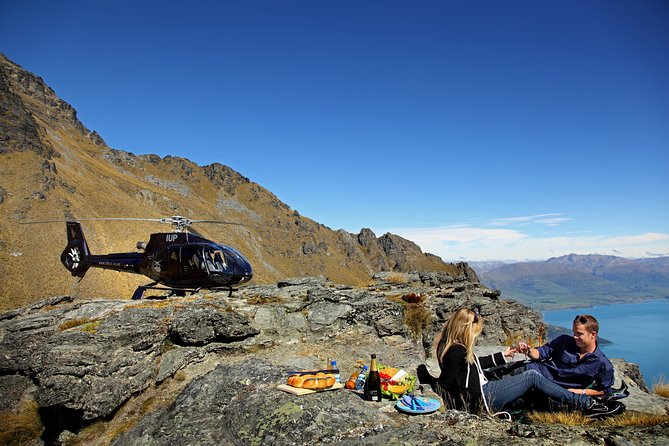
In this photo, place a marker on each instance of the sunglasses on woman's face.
(476, 316)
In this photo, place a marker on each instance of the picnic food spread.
(372, 383)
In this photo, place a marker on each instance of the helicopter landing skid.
(139, 292)
(180, 292)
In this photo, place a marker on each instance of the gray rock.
(219, 409)
(90, 360)
(277, 319)
(326, 313)
(200, 325)
(174, 359)
(13, 390)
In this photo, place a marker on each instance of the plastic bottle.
(350, 384)
(373, 382)
(333, 366)
(360, 381)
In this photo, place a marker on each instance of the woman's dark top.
(459, 383)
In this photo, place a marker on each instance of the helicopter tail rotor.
(75, 255)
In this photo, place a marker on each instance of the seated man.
(574, 362)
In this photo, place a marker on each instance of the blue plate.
(417, 405)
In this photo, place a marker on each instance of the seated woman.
(463, 386)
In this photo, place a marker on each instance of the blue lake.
(638, 333)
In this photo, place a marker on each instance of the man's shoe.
(424, 376)
(600, 409)
(617, 394)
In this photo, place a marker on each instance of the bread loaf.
(316, 381)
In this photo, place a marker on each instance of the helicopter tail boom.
(76, 253)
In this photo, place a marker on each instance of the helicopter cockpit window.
(215, 260)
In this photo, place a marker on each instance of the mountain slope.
(52, 168)
(580, 280)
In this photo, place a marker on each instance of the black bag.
(497, 373)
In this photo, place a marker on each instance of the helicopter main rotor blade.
(91, 219)
(179, 223)
(192, 230)
(222, 222)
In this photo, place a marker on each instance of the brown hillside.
(53, 168)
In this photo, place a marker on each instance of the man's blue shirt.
(559, 362)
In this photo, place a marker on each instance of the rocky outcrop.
(18, 129)
(205, 368)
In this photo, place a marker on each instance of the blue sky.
(480, 130)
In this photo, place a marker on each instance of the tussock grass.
(74, 323)
(636, 419)
(627, 419)
(152, 303)
(564, 418)
(396, 298)
(397, 278)
(264, 300)
(21, 427)
(91, 327)
(87, 324)
(661, 387)
(417, 318)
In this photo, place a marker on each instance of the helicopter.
(181, 261)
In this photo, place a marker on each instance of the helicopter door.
(193, 266)
(173, 270)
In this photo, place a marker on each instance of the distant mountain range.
(578, 280)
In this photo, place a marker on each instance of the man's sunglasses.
(581, 319)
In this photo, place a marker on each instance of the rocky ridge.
(53, 168)
(204, 369)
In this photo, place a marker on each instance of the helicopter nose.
(243, 271)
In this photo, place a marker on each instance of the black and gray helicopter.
(182, 261)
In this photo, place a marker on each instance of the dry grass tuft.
(636, 419)
(564, 418)
(91, 327)
(74, 323)
(87, 324)
(397, 278)
(627, 419)
(397, 298)
(152, 303)
(417, 318)
(264, 300)
(661, 387)
(21, 427)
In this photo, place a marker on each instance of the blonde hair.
(462, 328)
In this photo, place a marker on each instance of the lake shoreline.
(542, 309)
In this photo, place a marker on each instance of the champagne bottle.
(373, 382)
